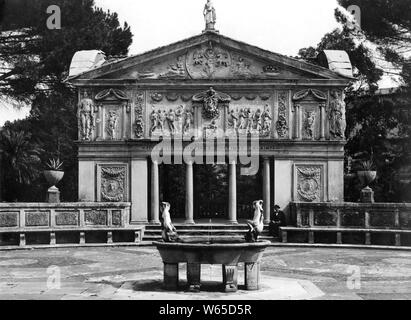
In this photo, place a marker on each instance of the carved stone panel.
(67, 218)
(139, 125)
(352, 218)
(117, 220)
(170, 115)
(9, 219)
(250, 114)
(283, 123)
(113, 123)
(112, 183)
(309, 183)
(96, 217)
(38, 218)
(114, 110)
(326, 218)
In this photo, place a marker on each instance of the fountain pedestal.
(225, 254)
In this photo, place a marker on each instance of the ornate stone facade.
(295, 109)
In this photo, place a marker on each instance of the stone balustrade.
(352, 215)
(384, 224)
(65, 218)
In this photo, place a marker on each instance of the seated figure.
(169, 232)
(256, 226)
(277, 220)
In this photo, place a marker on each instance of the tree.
(375, 123)
(38, 61)
(21, 163)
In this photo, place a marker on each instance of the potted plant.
(54, 172)
(366, 173)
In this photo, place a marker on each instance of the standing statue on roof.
(210, 16)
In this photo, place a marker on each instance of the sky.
(282, 26)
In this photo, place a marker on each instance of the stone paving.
(136, 273)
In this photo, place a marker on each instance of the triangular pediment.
(208, 56)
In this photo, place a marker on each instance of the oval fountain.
(205, 250)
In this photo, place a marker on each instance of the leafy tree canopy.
(36, 62)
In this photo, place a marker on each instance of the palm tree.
(21, 157)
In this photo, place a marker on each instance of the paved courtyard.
(136, 273)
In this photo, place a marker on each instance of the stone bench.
(137, 230)
(340, 231)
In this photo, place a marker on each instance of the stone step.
(202, 227)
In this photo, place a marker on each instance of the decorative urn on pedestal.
(366, 177)
(53, 174)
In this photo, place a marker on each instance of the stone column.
(189, 194)
(155, 194)
(267, 190)
(322, 124)
(297, 121)
(232, 192)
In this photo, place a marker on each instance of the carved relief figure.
(171, 119)
(162, 117)
(336, 115)
(113, 184)
(85, 115)
(139, 125)
(282, 126)
(179, 119)
(309, 124)
(250, 117)
(233, 120)
(241, 67)
(210, 16)
(243, 122)
(211, 100)
(188, 121)
(208, 62)
(309, 183)
(176, 70)
(112, 123)
(211, 129)
(154, 120)
(258, 125)
(267, 121)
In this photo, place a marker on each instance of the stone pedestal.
(53, 195)
(170, 276)
(230, 278)
(194, 276)
(252, 276)
(367, 195)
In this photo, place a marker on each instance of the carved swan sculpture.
(169, 232)
(256, 226)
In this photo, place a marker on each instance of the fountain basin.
(196, 253)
